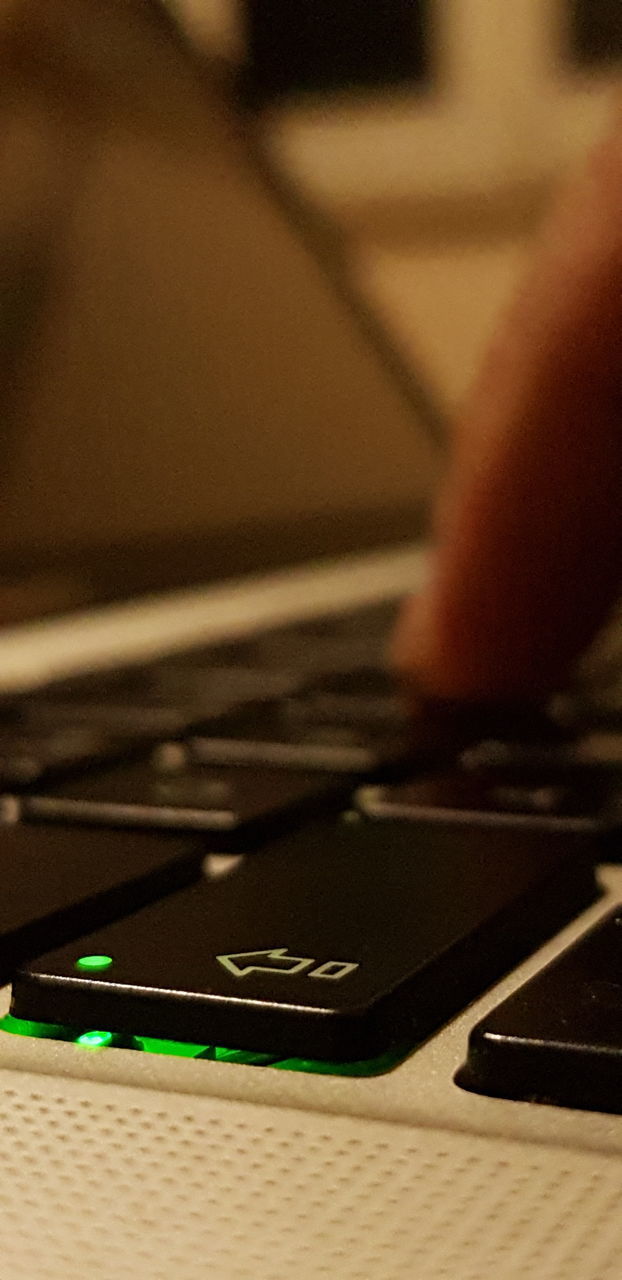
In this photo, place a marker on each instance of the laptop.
(291, 984)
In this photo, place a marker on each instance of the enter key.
(341, 942)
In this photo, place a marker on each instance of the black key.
(300, 732)
(594, 754)
(462, 729)
(32, 756)
(287, 735)
(364, 696)
(168, 701)
(530, 724)
(58, 883)
(458, 797)
(238, 804)
(559, 1038)
(341, 942)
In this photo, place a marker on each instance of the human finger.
(528, 539)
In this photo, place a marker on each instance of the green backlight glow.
(212, 1053)
(95, 1039)
(94, 964)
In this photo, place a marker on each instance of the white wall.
(505, 109)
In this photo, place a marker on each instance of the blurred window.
(596, 31)
(315, 45)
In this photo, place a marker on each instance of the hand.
(528, 554)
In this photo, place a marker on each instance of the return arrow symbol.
(241, 963)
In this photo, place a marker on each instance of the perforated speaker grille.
(106, 1183)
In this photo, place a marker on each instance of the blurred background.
(436, 132)
(431, 135)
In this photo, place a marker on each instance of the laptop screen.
(188, 388)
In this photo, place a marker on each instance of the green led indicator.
(95, 1039)
(94, 964)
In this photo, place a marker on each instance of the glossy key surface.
(157, 700)
(365, 696)
(559, 1038)
(59, 882)
(341, 942)
(457, 796)
(591, 755)
(31, 755)
(234, 804)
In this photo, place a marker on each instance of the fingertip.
(415, 652)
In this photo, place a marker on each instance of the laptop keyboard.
(270, 857)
